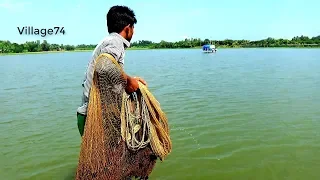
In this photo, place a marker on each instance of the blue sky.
(84, 21)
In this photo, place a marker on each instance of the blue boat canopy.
(206, 47)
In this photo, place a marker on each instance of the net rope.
(124, 133)
(135, 121)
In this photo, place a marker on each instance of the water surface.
(237, 114)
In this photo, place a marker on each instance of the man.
(120, 22)
(104, 153)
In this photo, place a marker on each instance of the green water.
(238, 114)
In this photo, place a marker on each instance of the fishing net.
(124, 133)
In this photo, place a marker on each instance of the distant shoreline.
(36, 47)
(132, 49)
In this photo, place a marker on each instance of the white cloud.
(13, 6)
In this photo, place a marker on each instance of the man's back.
(115, 45)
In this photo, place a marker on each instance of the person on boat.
(120, 22)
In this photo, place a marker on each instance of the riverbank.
(46, 52)
(134, 48)
(41, 52)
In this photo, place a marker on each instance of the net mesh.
(124, 133)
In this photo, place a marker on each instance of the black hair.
(119, 17)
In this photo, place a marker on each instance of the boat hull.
(209, 51)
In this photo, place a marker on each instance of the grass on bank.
(64, 51)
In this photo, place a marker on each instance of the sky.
(84, 21)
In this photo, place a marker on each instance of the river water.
(237, 114)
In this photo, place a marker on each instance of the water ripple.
(236, 114)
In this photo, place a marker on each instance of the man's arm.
(132, 83)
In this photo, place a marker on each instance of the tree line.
(298, 41)
(37, 46)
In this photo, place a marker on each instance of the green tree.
(55, 47)
(17, 48)
(206, 41)
(69, 47)
(45, 46)
(6, 47)
(31, 46)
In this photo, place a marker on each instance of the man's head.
(121, 20)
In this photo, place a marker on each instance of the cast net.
(124, 133)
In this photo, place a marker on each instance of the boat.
(209, 48)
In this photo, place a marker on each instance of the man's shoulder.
(108, 41)
(111, 40)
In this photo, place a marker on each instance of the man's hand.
(132, 85)
(141, 80)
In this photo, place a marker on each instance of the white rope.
(135, 121)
